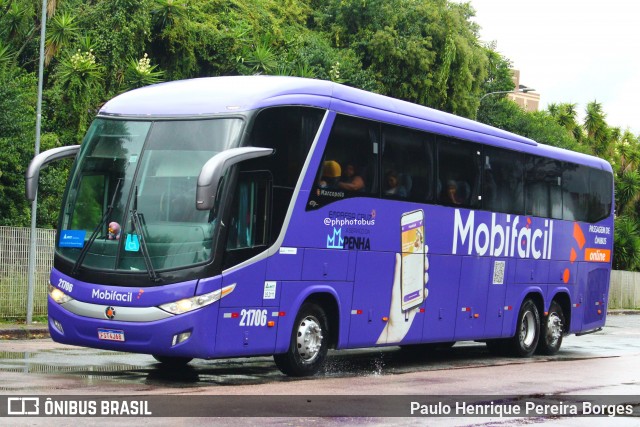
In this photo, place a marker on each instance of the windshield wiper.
(137, 220)
(94, 235)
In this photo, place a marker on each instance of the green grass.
(17, 321)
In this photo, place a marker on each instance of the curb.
(23, 333)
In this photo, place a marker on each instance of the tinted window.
(502, 181)
(349, 165)
(407, 164)
(458, 173)
(600, 190)
(543, 195)
(290, 131)
(575, 192)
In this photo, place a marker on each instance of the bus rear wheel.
(525, 341)
(309, 343)
(551, 331)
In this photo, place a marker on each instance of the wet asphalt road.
(604, 363)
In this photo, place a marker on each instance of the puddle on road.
(94, 366)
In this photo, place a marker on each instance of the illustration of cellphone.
(412, 268)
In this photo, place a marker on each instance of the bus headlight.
(189, 304)
(58, 296)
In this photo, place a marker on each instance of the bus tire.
(172, 361)
(309, 343)
(525, 341)
(551, 330)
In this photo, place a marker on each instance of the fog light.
(57, 325)
(180, 338)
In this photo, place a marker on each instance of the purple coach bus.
(244, 216)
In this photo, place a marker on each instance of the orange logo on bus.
(597, 255)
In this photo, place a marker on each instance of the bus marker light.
(546, 313)
(235, 315)
(385, 319)
(356, 311)
(599, 311)
(466, 309)
(281, 314)
(475, 316)
(576, 305)
(422, 310)
(508, 308)
(271, 323)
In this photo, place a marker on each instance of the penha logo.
(336, 241)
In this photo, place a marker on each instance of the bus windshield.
(131, 202)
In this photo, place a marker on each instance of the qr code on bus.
(498, 272)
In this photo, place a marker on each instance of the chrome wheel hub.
(554, 329)
(309, 339)
(527, 329)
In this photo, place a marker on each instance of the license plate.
(110, 335)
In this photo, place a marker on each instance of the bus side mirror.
(215, 168)
(41, 160)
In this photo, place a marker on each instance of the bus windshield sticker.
(72, 238)
(132, 244)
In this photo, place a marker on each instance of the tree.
(17, 121)
(61, 32)
(420, 51)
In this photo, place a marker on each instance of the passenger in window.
(351, 179)
(452, 194)
(394, 188)
(331, 173)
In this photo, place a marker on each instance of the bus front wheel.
(309, 343)
(525, 341)
(552, 329)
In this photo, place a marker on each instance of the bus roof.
(223, 95)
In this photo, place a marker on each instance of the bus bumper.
(186, 335)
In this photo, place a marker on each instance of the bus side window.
(575, 192)
(601, 193)
(351, 153)
(458, 173)
(290, 131)
(249, 222)
(407, 164)
(543, 194)
(502, 181)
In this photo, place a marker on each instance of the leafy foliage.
(424, 51)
